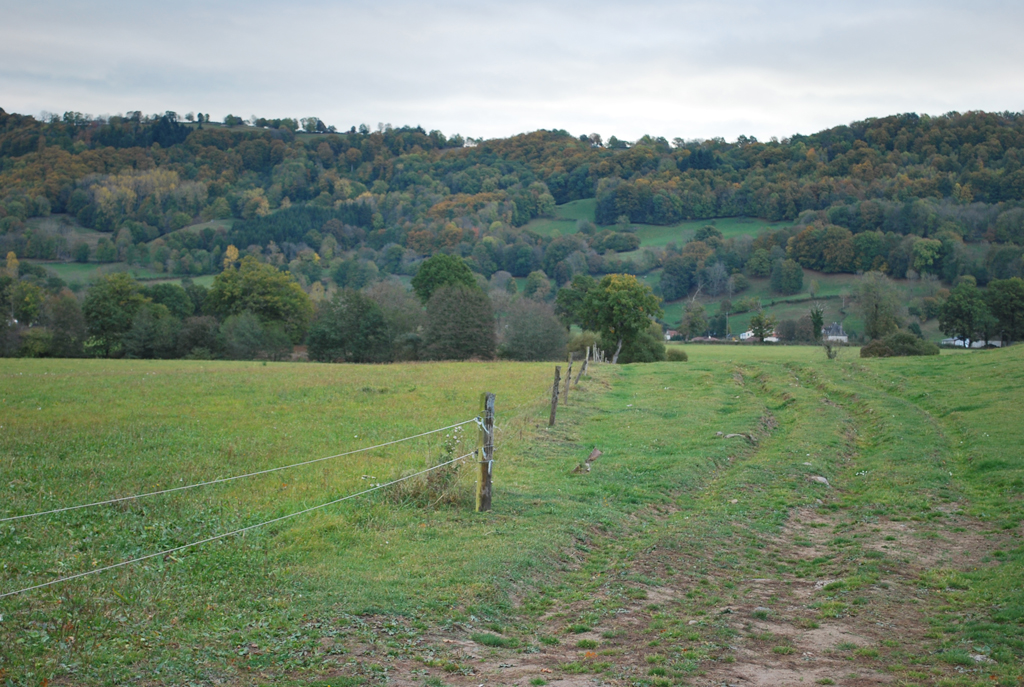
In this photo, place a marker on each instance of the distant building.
(834, 332)
(957, 342)
(772, 337)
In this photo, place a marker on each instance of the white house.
(747, 335)
(834, 332)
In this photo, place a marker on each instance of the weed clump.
(440, 486)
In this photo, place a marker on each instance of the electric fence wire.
(229, 479)
(167, 552)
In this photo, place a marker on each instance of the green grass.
(85, 273)
(900, 439)
(651, 235)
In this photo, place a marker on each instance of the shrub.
(899, 343)
(676, 355)
(647, 347)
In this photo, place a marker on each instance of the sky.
(489, 69)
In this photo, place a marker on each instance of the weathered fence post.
(483, 485)
(568, 379)
(554, 395)
(583, 369)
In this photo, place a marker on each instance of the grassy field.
(904, 568)
(651, 235)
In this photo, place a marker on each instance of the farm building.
(834, 332)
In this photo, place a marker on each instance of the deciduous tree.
(621, 308)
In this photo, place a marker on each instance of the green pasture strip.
(886, 457)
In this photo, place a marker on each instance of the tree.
(25, 300)
(762, 325)
(264, 291)
(964, 313)
(63, 317)
(243, 336)
(531, 331)
(175, 298)
(12, 265)
(460, 324)
(817, 320)
(760, 263)
(439, 271)
(677, 276)
(695, 321)
(1005, 299)
(403, 314)
(537, 286)
(230, 256)
(621, 308)
(879, 303)
(787, 277)
(153, 333)
(109, 308)
(350, 328)
(199, 338)
(570, 302)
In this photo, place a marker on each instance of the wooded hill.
(898, 193)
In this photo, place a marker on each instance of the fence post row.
(486, 463)
(554, 395)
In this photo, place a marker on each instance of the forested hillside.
(906, 196)
(400, 194)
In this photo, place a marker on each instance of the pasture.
(684, 556)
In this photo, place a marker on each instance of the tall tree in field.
(879, 302)
(109, 308)
(460, 324)
(441, 270)
(621, 308)
(1005, 299)
(964, 314)
(266, 292)
(350, 328)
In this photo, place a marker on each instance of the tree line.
(255, 310)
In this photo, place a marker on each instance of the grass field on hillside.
(651, 235)
(699, 548)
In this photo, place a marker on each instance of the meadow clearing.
(684, 556)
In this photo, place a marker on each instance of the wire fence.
(221, 480)
(241, 530)
(167, 552)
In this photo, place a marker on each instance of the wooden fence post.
(568, 378)
(554, 395)
(583, 369)
(483, 484)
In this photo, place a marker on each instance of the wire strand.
(229, 479)
(234, 532)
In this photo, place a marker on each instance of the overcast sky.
(487, 69)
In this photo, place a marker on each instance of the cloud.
(691, 69)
